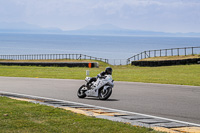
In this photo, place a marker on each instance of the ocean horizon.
(109, 47)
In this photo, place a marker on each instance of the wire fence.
(117, 62)
(165, 52)
(51, 57)
(62, 56)
(146, 54)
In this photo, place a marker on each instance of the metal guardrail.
(146, 54)
(51, 57)
(165, 52)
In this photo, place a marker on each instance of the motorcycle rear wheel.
(81, 92)
(105, 94)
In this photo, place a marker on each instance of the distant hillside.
(109, 29)
(104, 29)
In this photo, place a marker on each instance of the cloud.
(157, 15)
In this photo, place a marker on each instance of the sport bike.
(101, 88)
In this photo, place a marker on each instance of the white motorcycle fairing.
(100, 87)
(101, 82)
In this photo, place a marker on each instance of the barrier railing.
(146, 54)
(117, 62)
(51, 57)
(165, 52)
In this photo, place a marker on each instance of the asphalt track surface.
(168, 101)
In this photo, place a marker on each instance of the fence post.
(192, 51)
(171, 52)
(185, 51)
(160, 53)
(149, 53)
(178, 51)
(127, 61)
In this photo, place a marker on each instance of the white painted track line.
(116, 110)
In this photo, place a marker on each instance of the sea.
(109, 47)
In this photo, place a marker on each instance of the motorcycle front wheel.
(105, 94)
(81, 91)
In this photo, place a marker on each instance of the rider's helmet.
(108, 70)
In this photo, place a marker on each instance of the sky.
(154, 15)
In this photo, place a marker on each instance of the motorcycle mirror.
(87, 72)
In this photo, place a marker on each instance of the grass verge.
(180, 74)
(21, 116)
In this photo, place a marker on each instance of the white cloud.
(158, 15)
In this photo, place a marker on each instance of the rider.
(108, 71)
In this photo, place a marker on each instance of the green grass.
(180, 74)
(23, 117)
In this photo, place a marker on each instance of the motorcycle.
(101, 88)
